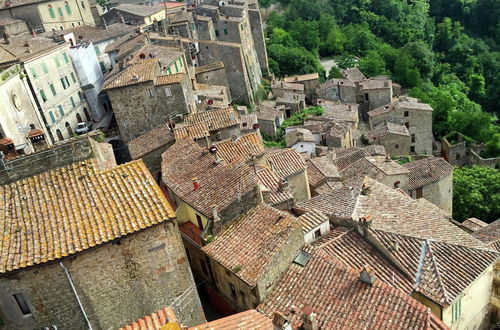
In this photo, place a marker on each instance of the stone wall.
(214, 77)
(338, 92)
(241, 205)
(152, 160)
(28, 13)
(257, 29)
(439, 193)
(299, 187)
(117, 283)
(378, 97)
(395, 145)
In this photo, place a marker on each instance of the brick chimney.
(364, 224)
(196, 184)
(367, 275)
(280, 321)
(309, 319)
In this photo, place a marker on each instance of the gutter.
(89, 326)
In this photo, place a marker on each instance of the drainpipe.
(76, 295)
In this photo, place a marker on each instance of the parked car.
(83, 127)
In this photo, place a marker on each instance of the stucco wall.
(389, 141)
(117, 284)
(305, 147)
(324, 227)
(439, 193)
(80, 14)
(299, 186)
(338, 93)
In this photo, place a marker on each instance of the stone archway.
(59, 135)
(86, 113)
(68, 128)
(79, 118)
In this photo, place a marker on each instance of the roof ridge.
(446, 294)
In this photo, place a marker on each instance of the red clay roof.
(248, 320)
(155, 321)
(426, 171)
(286, 162)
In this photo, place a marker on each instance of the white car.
(84, 127)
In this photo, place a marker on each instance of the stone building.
(249, 257)
(143, 17)
(107, 261)
(52, 78)
(292, 102)
(314, 225)
(457, 150)
(270, 119)
(374, 93)
(12, 26)
(416, 116)
(310, 82)
(342, 90)
(50, 15)
(432, 179)
(279, 88)
(301, 140)
(393, 136)
(339, 112)
(212, 74)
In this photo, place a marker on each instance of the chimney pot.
(309, 321)
(367, 275)
(196, 184)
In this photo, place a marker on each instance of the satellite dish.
(212, 150)
(255, 126)
(193, 57)
(142, 56)
(210, 102)
(80, 37)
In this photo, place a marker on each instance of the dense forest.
(444, 52)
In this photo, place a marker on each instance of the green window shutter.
(180, 62)
(68, 8)
(56, 60)
(176, 67)
(73, 77)
(67, 81)
(42, 94)
(97, 50)
(225, 31)
(61, 111)
(80, 95)
(169, 70)
(216, 33)
(53, 90)
(33, 73)
(72, 100)
(52, 118)
(102, 66)
(44, 68)
(59, 10)
(66, 58)
(52, 14)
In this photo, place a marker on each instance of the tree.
(492, 147)
(372, 64)
(475, 193)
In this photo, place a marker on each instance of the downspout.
(76, 295)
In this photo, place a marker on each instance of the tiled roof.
(215, 119)
(376, 150)
(473, 224)
(165, 55)
(311, 220)
(98, 34)
(68, 210)
(155, 321)
(134, 74)
(354, 251)
(314, 174)
(271, 184)
(169, 79)
(334, 82)
(8, 20)
(387, 165)
(138, 10)
(298, 135)
(346, 157)
(375, 84)
(220, 184)
(395, 212)
(244, 147)
(304, 77)
(339, 111)
(354, 174)
(446, 270)
(6, 56)
(286, 162)
(427, 170)
(326, 166)
(353, 74)
(327, 187)
(267, 113)
(389, 127)
(288, 86)
(490, 234)
(26, 46)
(338, 204)
(249, 245)
(209, 67)
(247, 320)
(194, 131)
(150, 141)
(410, 105)
(340, 300)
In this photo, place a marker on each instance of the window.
(150, 93)
(56, 60)
(193, 27)
(61, 111)
(412, 149)
(457, 156)
(101, 65)
(367, 97)
(42, 95)
(66, 58)
(80, 95)
(200, 222)
(216, 33)
(169, 70)
(52, 118)
(33, 73)
(44, 68)
(73, 77)
(233, 290)
(65, 82)
(83, 6)
(180, 63)
(396, 146)
(413, 138)
(51, 12)
(52, 89)
(59, 10)
(176, 67)
(317, 234)
(68, 8)
(407, 124)
(419, 193)
(97, 50)
(22, 304)
(72, 100)
(456, 310)
(168, 92)
(225, 31)
(406, 113)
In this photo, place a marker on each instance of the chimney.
(367, 275)
(105, 23)
(309, 321)
(6, 38)
(365, 189)
(280, 321)
(388, 159)
(364, 224)
(196, 184)
(217, 224)
(213, 151)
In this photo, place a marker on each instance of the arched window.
(83, 4)
(68, 8)
(59, 135)
(68, 128)
(51, 12)
(79, 118)
(86, 113)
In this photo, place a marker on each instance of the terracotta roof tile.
(334, 292)
(286, 162)
(252, 241)
(215, 119)
(473, 224)
(490, 234)
(304, 77)
(427, 170)
(376, 150)
(353, 74)
(346, 157)
(150, 141)
(338, 204)
(194, 131)
(354, 174)
(6, 56)
(244, 147)
(327, 187)
(209, 67)
(409, 104)
(98, 34)
(134, 74)
(339, 111)
(248, 320)
(271, 183)
(155, 321)
(220, 184)
(311, 220)
(169, 79)
(68, 210)
(389, 127)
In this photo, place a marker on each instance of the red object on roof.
(6, 141)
